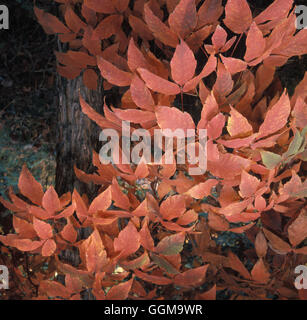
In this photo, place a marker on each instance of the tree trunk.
(77, 135)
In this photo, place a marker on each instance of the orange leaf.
(183, 19)
(238, 125)
(191, 278)
(234, 65)
(43, 229)
(146, 238)
(102, 202)
(298, 229)
(248, 185)
(173, 207)
(48, 248)
(128, 241)
(152, 278)
(159, 29)
(107, 27)
(277, 244)
(73, 22)
(202, 189)
(238, 15)
(141, 95)
(260, 273)
(51, 202)
(255, 43)
(170, 245)
(261, 245)
(120, 291)
(157, 83)
(276, 117)
(69, 233)
(209, 12)
(120, 199)
(113, 74)
(136, 58)
(29, 187)
(217, 222)
(101, 6)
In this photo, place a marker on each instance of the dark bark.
(77, 135)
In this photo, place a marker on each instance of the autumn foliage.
(148, 235)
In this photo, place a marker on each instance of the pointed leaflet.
(69, 233)
(23, 228)
(134, 115)
(215, 126)
(233, 65)
(224, 83)
(191, 278)
(255, 43)
(277, 116)
(120, 199)
(276, 243)
(238, 126)
(73, 21)
(261, 245)
(279, 9)
(128, 241)
(102, 202)
(219, 38)
(51, 202)
(145, 237)
(209, 12)
(173, 118)
(141, 95)
(136, 58)
(113, 74)
(217, 222)
(43, 229)
(238, 15)
(120, 291)
(101, 6)
(173, 207)
(159, 29)
(54, 289)
(107, 27)
(29, 187)
(157, 83)
(183, 19)
(235, 263)
(202, 189)
(152, 278)
(50, 23)
(260, 273)
(171, 245)
(248, 185)
(183, 64)
(48, 248)
(297, 230)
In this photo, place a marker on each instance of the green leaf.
(270, 159)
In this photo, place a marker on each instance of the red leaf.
(43, 229)
(141, 95)
(260, 273)
(261, 245)
(298, 229)
(136, 58)
(255, 43)
(171, 245)
(173, 207)
(159, 29)
(50, 23)
(234, 65)
(102, 6)
(219, 38)
(238, 15)
(217, 222)
(248, 185)
(207, 295)
(135, 116)
(276, 117)
(146, 238)
(120, 199)
(102, 202)
(202, 189)
(183, 19)
(128, 241)
(157, 83)
(215, 126)
(173, 118)
(191, 278)
(113, 74)
(183, 64)
(69, 233)
(224, 83)
(107, 27)
(235, 263)
(153, 279)
(29, 187)
(277, 244)
(23, 228)
(209, 12)
(120, 291)
(54, 289)
(51, 202)
(48, 248)
(238, 126)
(73, 21)
(26, 244)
